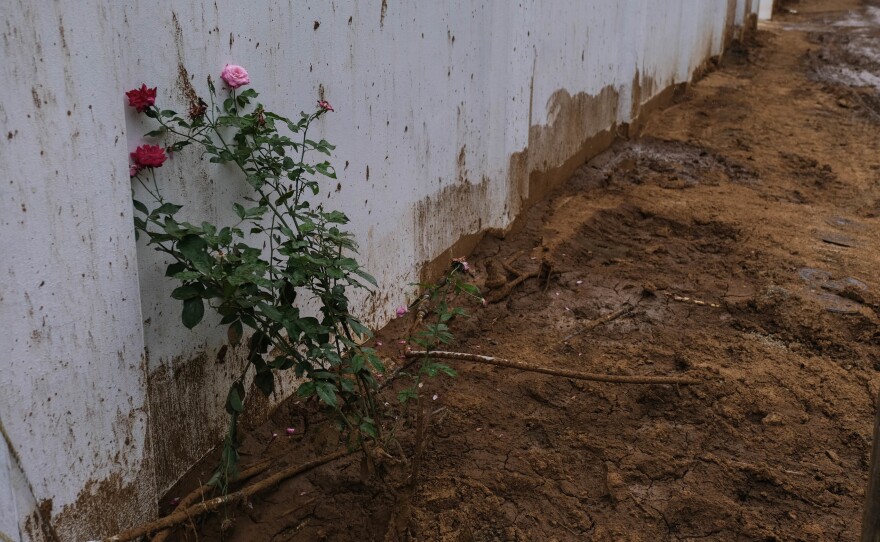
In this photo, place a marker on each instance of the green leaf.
(306, 389)
(324, 168)
(433, 369)
(188, 275)
(366, 276)
(193, 311)
(376, 362)
(282, 363)
(255, 212)
(265, 381)
(448, 371)
(336, 217)
(284, 197)
(469, 289)
(306, 226)
(357, 363)
(326, 393)
(140, 207)
(234, 333)
(166, 209)
(175, 268)
(192, 246)
(406, 394)
(256, 181)
(369, 428)
(187, 291)
(235, 398)
(195, 249)
(271, 312)
(359, 328)
(332, 357)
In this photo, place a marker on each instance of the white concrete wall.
(74, 400)
(449, 106)
(765, 11)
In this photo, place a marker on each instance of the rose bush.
(252, 272)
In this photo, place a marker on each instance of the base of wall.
(542, 182)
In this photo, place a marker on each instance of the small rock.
(615, 484)
(773, 419)
(833, 455)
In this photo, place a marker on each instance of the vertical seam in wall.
(13, 456)
(46, 522)
(149, 449)
(528, 158)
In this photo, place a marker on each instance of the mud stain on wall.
(185, 397)
(94, 501)
(580, 127)
(454, 209)
(187, 408)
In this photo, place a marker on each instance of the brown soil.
(743, 225)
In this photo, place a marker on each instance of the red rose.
(141, 98)
(325, 105)
(149, 156)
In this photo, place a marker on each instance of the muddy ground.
(742, 226)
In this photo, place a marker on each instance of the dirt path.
(743, 225)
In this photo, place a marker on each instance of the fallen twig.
(504, 291)
(199, 493)
(592, 324)
(196, 510)
(507, 262)
(683, 299)
(616, 379)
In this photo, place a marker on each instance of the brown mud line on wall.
(178, 390)
(704, 207)
(554, 152)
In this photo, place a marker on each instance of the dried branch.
(186, 514)
(200, 492)
(592, 324)
(594, 377)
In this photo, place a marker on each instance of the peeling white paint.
(432, 99)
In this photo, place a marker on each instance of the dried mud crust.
(743, 229)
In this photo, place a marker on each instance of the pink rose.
(133, 170)
(147, 156)
(235, 76)
(401, 310)
(325, 105)
(141, 98)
